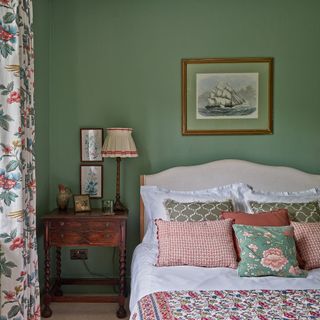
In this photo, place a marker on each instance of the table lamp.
(119, 144)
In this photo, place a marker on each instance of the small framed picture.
(91, 140)
(81, 203)
(91, 182)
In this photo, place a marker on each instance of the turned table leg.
(122, 313)
(58, 292)
(47, 312)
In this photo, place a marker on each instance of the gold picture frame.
(225, 96)
(81, 203)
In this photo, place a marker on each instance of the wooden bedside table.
(65, 228)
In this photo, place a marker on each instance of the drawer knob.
(62, 235)
(107, 224)
(61, 223)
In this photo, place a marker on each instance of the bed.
(193, 292)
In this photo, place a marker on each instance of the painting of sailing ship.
(227, 95)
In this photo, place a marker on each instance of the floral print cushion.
(267, 251)
(298, 211)
(196, 211)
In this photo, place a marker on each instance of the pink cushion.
(308, 243)
(202, 244)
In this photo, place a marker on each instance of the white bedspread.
(146, 278)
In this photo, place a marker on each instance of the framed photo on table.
(81, 203)
(223, 96)
(91, 180)
(91, 140)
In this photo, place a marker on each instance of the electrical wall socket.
(79, 254)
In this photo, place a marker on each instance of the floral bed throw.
(19, 293)
(229, 304)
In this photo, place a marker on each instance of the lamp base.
(118, 207)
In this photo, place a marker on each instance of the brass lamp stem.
(118, 206)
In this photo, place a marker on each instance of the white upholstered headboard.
(223, 172)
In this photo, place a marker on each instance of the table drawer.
(64, 238)
(104, 238)
(65, 224)
(93, 226)
(96, 238)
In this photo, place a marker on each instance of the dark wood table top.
(94, 213)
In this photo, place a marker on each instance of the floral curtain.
(18, 246)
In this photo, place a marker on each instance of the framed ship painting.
(227, 96)
(91, 140)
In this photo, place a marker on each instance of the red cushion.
(277, 218)
(202, 244)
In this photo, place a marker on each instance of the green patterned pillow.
(196, 211)
(267, 251)
(300, 212)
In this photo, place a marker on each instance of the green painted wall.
(117, 63)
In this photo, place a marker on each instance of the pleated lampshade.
(119, 143)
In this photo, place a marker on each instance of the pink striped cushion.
(308, 243)
(202, 244)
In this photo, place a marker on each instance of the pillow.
(307, 237)
(302, 195)
(273, 218)
(153, 199)
(196, 211)
(301, 205)
(201, 244)
(267, 251)
(298, 211)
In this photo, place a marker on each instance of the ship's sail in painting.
(227, 96)
(224, 96)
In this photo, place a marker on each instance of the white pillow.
(153, 199)
(289, 197)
